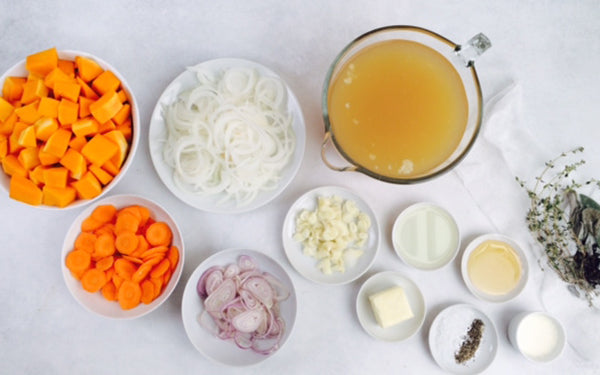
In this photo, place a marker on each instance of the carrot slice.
(147, 291)
(124, 268)
(141, 273)
(126, 242)
(161, 268)
(107, 228)
(144, 213)
(129, 295)
(85, 241)
(173, 256)
(104, 246)
(133, 259)
(110, 272)
(126, 222)
(93, 280)
(104, 213)
(142, 246)
(167, 277)
(159, 234)
(162, 250)
(158, 283)
(89, 224)
(105, 263)
(78, 260)
(109, 291)
(117, 280)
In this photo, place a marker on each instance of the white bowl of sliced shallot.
(227, 136)
(239, 307)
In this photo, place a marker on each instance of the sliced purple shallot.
(241, 303)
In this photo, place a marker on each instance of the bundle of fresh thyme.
(567, 224)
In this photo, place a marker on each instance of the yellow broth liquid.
(398, 108)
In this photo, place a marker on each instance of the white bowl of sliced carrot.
(122, 257)
(69, 128)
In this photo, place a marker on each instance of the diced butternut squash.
(67, 112)
(60, 197)
(43, 62)
(56, 75)
(119, 139)
(6, 109)
(48, 107)
(110, 167)
(13, 140)
(123, 115)
(106, 82)
(24, 190)
(45, 127)
(12, 166)
(8, 125)
(67, 90)
(58, 142)
(85, 126)
(106, 107)
(3, 146)
(67, 66)
(86, 90)
(46, 158)
(87, 68)
(33, 90)
(37, 175)
(28, 113)
(28, 157)
(56, 176)
(27, 137)
(77, 143)
(122, 96)
(12, 90)
(106, 127)
(84, 106)
(75, 163)
(102, 176)
(88, 186)
(99, 149)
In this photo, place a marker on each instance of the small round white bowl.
(213, 202)
(307, 265)
(18, 70)
(402, 330)
(438, 233)
(214, 348)
(95, 302)
(447, 332)
(522, 259)
(537, 335)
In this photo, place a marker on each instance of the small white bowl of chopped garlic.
(331, 235)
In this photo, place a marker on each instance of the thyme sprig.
(550, 220)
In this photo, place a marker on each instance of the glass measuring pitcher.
(402, 104)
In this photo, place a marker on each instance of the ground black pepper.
(469, 346)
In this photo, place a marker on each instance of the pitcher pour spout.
(471, 50)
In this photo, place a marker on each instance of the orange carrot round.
(105, 263)
(159, 234)
(129, 295)
(124, 268)
(93, 280)
(147, 291)
(173, 256)
(104, 213)
(78, 261)
(109, 291)
(90, 224)
(161, 268)
(126, 242)
(126, 222)
(104, 246)
(85, 241)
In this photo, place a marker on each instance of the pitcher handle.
(473, 49)
(327, 163)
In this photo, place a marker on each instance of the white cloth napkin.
(505, 149)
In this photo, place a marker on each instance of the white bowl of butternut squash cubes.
(69, 128)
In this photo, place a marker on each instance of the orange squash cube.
(86, 90)
(68, 67)
(75, 163)
(33, 90)
(48, 107)
(77, 143)
(88, 186)
(43, 62)
(106, 82)
(45, 127)
(106, 127)
(24, 190)
(28, 157)
(55, 76)
(58, 142)
(12, 90)
(27, 137)
(102, 176)
(46, 158)
(7, 126)
(85, 126)
(84, 106)
(12, 166)
(28, 113)
(111, 168)
(67, 112)
(122, 96)
(123, 115)
(56, 176)
(87, 68)
(99, 149)
(6, 109)
(37, 175)
(60, 197)
(66, 89)
(13, 139)
(106, 107)
(3, 146)
(119, 139)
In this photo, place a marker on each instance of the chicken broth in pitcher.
(398, 108)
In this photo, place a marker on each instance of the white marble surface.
(550, 48)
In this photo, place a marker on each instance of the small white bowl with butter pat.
(390, 306)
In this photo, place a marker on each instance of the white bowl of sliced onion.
(239, 307)
(227, 136)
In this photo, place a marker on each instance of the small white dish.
(426, 236)
(226, 351)
(537, 335)
(307, 265)
(382, 281)
(522, 259)
(211, 203)
(447, 333)
(19, 70)
(95, 302)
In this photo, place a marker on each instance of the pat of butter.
(390, 306)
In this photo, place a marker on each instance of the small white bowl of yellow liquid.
(402, 104)
(494, 268)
